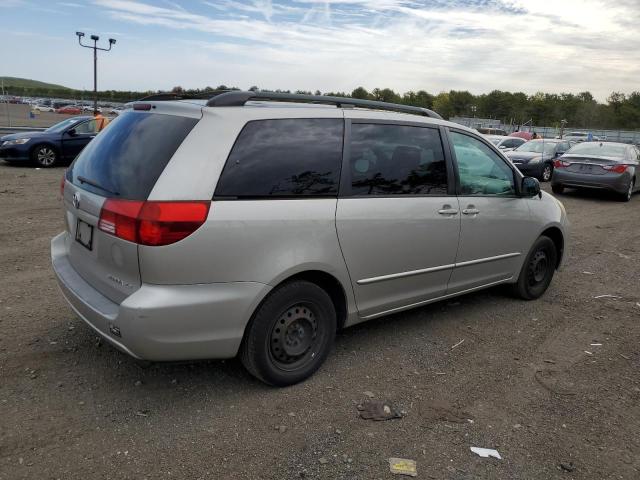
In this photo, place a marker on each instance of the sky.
(335, 45)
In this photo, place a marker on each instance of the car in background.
(535, 157)
(60, 142)
(43, 108)
(600, 165)
(505, 143)
(70, 110)
(580, 137)
(491, 131)
(526, 135)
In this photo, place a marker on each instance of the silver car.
(257, 224)
(504, 143)
(598, 165)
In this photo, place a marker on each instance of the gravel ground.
(522, 381)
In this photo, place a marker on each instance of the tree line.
(621, 111)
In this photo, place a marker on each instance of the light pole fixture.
(95, 48)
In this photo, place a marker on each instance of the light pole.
(95, 47)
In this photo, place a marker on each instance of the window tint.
(283, 158)
(481, 170)
(86, 127)
(127, 158)
(396, 160)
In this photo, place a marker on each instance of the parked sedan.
(70, 110)
(535, 158)
(607, 166)
(43, 108)
(505, 143)
(62, 141)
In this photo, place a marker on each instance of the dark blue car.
(58, 143)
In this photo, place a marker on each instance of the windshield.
(63, 125)
(537, 147)
(598, 149)
(495, 141)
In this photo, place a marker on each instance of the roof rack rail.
(239, 98)
(166, 96)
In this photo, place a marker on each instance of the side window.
(396, 160)
(284, 158)
(481, 171)
(86, 127)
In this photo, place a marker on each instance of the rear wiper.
(97, 185)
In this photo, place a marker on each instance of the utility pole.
(95, 48)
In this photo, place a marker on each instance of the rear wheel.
(559, 189)
(44, 156)
(290, 334)
(538, 270)
(625, 197)
(547, 172)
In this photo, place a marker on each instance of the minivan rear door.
(122, 163)
(398, 220)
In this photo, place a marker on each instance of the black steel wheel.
(290, 334)
(538, 269)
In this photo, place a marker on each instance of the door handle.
(447, 210)
(470, 210)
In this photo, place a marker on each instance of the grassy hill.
(27, 83)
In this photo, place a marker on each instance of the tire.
(626, 197)
(537, 271)
(290, 335)
(558, 189)
(44, 156)
(547, 172)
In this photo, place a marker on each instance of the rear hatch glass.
(123, 162)
(127, 158)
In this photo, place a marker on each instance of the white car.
(43, 108)
(504, 143)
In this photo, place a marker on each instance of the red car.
(70, 110)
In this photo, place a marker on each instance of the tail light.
(151, 222)
(558, 163)
(618, 168)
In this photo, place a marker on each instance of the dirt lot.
(18, 115)
(521, 382)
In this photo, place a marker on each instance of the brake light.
(152, 223)
(615, 168)
(560, 163)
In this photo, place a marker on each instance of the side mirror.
(530, 187)
(71, 132)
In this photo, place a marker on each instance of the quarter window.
(481, 170)
(396, 160)
(284, 158)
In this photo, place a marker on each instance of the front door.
(496, 226)
(83, 133)
(398, 220)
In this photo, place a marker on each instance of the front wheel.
(44, 156)
(290, 334)
(547, 172)
(538, 270)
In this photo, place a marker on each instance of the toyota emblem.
(76, 200)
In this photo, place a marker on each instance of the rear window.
(599, 149)
(127, 158)
(284, 158)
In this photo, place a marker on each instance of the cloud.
(480, 45)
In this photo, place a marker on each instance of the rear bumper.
(616, 182)
(163, 322)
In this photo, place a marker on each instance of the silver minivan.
(257, 224)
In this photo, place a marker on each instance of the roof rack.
(157, 97)
(239, 98)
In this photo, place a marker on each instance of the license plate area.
(586, 168)
(84, 234)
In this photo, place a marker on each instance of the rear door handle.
(447, 210)
(471, 211)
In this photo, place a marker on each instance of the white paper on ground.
(486, 452)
